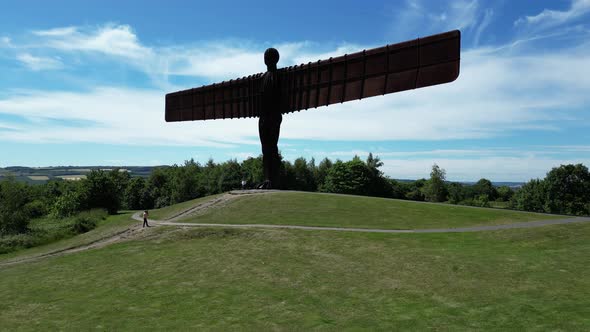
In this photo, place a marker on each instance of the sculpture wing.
(231, 99)
(392, 68)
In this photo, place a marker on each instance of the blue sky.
(83, 83)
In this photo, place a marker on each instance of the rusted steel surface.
(392, 68)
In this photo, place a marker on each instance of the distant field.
(38, 177)
(72, 177)
(315, 209)
(23, 174)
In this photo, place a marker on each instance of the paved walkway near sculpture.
(201, 208)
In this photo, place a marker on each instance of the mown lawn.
(314, 209)
(220, 279)
(171, 211)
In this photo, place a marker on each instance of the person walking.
(145, 217)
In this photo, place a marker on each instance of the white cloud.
(415, 16)
(111, 39)
(39, 63)
(116, 116)
(485, 22)
(551, 18)
(462, 14)
(5, 42)
(57, 32)
(7, 126)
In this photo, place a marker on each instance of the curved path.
(200, 208)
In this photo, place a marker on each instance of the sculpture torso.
(271, 96)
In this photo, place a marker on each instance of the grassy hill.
(317, 209)
(216, 278)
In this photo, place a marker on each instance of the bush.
(87, 220)
(18, 241)
(66, 205)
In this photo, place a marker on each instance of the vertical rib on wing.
(230, 99)
(392, 68)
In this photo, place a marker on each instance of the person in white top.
(145, 216)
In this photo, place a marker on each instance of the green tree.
(14, 217)
(184, 182)
(374, 163)
(303, 175)
(531, 197)
(352, 177)
(485, 187)
(134, 193)
(379, 185)
(230, 176)
(435, 189)
(157, 192)
(68, 204)
(209, 179)
(99, 190)
(120, 180)
(398, 189)
(288, 180)
(323, 168)
(505, 193)
(568, 190)
(414, 191)
(252, 171)
(456, 192)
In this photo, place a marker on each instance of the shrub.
(36, 209)
(66, 205)
(18, 241)
(87, 220)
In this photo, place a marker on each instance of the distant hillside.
(35, 175)
(495, 184)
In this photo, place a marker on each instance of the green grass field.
(170, 211)
(105, 228)
(220, 279)
(314, 209)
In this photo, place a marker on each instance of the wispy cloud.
(37, 63)
(485, 22)
(5, 42)
(549, 18)
(416, 15)
(110, 39)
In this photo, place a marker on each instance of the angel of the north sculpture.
(408, 65)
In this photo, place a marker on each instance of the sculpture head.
(271, 58)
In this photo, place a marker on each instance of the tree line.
(565, 189)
